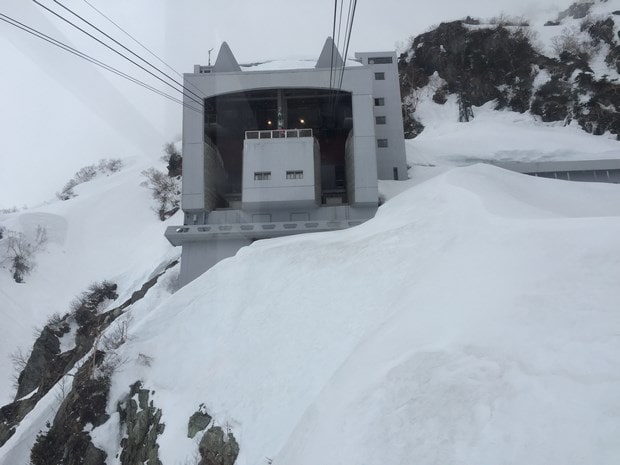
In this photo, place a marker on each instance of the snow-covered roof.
(289, 63)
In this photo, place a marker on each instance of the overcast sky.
(60, 113)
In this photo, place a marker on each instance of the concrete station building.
(274, 152)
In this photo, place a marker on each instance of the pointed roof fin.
(329, 55)
(226, 61)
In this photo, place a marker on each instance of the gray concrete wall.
(193, 156)
(392, 156)
(198, 257)
(277, 156)
(365, 187)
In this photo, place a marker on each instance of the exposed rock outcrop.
(498, 63)
(67, 442)
(475, 63)
(198, 422)
(218, 449)
(47, 365)
(142, 423)
(44, 355)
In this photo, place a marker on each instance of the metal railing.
(278, 134)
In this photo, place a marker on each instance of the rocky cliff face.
(87, 361)
(503, 62)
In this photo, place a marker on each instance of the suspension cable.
(40, 35)
(199, 102)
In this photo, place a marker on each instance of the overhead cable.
(340, 24)
(199, 102)
(346, 51)
(125, 48)
(40, 35)
(331, 61)
(153, 54)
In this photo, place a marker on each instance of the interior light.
(302, 121)
(269, 122)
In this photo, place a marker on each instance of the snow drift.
(474, 320)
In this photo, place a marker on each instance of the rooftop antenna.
(210, 56)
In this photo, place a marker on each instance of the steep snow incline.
(474, 320)
(107, 232)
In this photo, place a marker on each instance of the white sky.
(60, 113)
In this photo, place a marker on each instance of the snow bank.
(474, 320)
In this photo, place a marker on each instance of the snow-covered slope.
(474, 320)
(107, 232)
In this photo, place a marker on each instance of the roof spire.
(329, 56)
(226, 61)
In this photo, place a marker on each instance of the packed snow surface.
(474, 320)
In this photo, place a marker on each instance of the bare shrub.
(109, 165)
(20, 251)
(116, 335)
(94, 298)
(145, 360)
(54, 319)
(6, 211)
(471, 21)
(506, 20)
(570, 43)
(87, 173)
(174, 160)
(527, 34)
(165, 190)
(18, 359)
(111, 362)
(63, 388)
(110, 342)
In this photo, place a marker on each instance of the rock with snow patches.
(142, 424)
(198, 422)
(218, 449)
